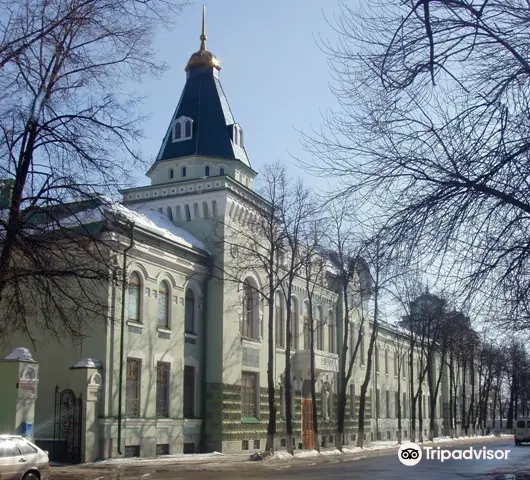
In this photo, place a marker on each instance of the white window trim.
(182, 121)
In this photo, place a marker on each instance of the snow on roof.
(142, 216)
(88, 363)
(20, 353)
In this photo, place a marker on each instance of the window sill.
(250, 420)
(162, 329)
(134, 323)
(280, 349)
(190, 335)
(256, 341)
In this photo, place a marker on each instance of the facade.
(194, 357)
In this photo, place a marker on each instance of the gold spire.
(203, 57)
(203, 34)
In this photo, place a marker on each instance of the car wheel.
(30, 476)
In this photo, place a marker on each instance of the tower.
(201, 180)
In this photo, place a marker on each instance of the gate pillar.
(19, 378)
(86, 378)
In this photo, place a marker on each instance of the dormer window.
(182, 129)
(221, 171)
(207, 171)
(237, 135)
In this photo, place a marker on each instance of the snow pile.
(307, 453)
(179, 457)
(332, 452)
(281, 455)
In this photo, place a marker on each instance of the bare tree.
(258, 244)
(313, 273)
(297, 214)
(350, 277)
(432, 131)
(67, 135)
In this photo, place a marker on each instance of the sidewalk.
(138, 467)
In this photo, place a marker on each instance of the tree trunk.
(316, 439)
(367, 375)
(271, 426)
(287, 380)
(398, 407)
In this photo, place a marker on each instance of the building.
(184, 368)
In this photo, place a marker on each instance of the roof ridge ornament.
(203, 57)
(203, 34)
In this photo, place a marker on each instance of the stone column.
(86, 379)
(19, 378)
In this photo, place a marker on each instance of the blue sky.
(273, 72)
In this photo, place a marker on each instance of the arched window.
(207, 171)
(177, 131)
(250, 325)
(169, 213)
(376, 358)
(236, 138)
(280, 320)
(295, 321)
(187, 130)
(171, 173)
(331, 332)
(320, 329)
(163, 304)
(307, 326)
(189, 311)
(221, 171)
(183, 172)
(135, 287)
(188, 212)
(205, 212)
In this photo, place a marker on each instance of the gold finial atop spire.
(203, 57)
(203, 34)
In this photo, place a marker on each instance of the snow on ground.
(284, 455)
(180, 457)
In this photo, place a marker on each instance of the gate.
(307, 424)
(67, 426)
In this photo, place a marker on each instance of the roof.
(142, 217)
(203, 100)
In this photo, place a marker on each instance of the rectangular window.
(352, 400)
(377, 359)
(396, 360)
(249, 394)
(378, 403)
(282, 401)
(331, 331)
(133, 387)
(396, 406)
(387, 401)
(280, 329)
(320, 330)
(362, 346)
(404, 411)
(386, 362)
(183, 171)
(162, 389)
(189, 391)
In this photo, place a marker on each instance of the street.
(380, 465)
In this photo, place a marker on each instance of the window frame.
(250, 410)
(138, 304)
(162, 404)
(133, 405)
(166, 295)
(189, 405)
(190, 320)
